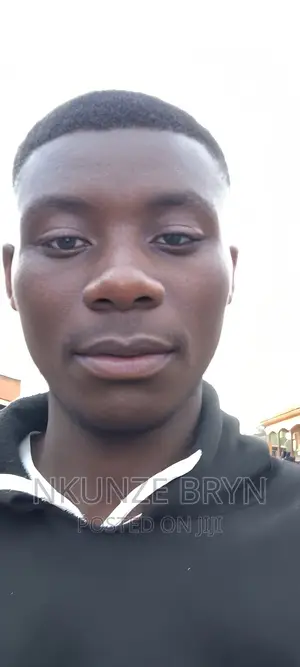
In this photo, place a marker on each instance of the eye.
(65, 243)
(176, 239)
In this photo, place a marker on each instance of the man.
(138, 526)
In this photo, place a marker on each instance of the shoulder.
(285, 476)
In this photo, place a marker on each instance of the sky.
(232, 65)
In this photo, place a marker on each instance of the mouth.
(132, 359)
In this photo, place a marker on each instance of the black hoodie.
(196, 582)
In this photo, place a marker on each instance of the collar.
(225, 453)
(40, 489)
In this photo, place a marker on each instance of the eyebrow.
(66, 204)
(185, 199)
(182, 199)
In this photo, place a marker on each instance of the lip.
(130, 359)
(125, 347)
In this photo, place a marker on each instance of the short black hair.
(115, 109)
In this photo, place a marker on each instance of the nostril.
(103, 304)
(143, 299)
(144, 302)
(123, 304)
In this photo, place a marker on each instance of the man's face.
(121, 256)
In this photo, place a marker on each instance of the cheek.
(203, 297)
(42, 305)
(41, 287)
(205, 287)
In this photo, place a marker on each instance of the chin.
(130, 409)
(119, 424)
(121, 419)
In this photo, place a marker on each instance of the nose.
(123, 289)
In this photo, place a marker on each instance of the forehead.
(130, 163)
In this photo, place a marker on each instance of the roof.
(282, 416)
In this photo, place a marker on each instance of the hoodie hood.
(226, 454)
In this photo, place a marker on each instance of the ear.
(7, 256)
(234, 253)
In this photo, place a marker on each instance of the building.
(283, 432)
(10, 389)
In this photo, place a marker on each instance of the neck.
(76, 462)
